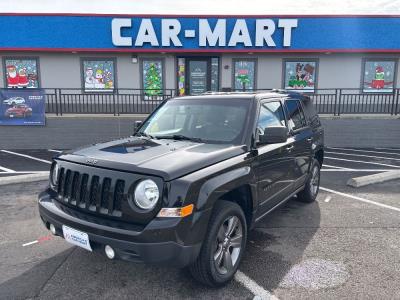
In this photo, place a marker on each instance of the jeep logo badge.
(91, 161)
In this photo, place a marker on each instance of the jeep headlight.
(146, 194)
(54, 174)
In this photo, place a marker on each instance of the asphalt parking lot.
(345, 245)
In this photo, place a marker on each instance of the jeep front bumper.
(158, 242)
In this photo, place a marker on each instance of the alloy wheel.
(228, 245)
(314, 181)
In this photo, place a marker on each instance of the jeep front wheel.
(223, 247)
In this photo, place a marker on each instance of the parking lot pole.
(61, 105)
(339, 96)
(397, 103)
(56, 100)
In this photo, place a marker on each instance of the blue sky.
(230, 7)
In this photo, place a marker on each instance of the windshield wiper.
(145, 135)
(180, 137)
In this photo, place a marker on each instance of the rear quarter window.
(311, 112)
(296, 118)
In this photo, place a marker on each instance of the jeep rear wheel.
(223, 247)
(310, 192)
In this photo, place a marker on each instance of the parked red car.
(19, 110)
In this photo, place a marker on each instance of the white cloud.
(222, 7)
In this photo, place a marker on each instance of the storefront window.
(244, 74)
(181, 76)
(152, 77)
(300, 75)
(21, 72)
(98, 75)
(214, 74)
(378, 76)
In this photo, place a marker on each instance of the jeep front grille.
(91, 192)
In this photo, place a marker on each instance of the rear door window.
(296, 118)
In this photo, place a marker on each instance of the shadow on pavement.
(278, 243)
(29, 283)
(273, 248)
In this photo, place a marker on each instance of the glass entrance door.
(198, 76)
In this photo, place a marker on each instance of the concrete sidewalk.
(71, 131)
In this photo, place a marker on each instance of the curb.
(93, 116)
(359, 117)
(374, 178)
(24, 178)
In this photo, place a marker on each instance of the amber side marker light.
(176, 212)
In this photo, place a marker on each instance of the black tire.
(310, 191)
(205, 269)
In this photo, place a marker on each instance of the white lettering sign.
(211, 37)
(240, 34)
(116, 26)
(146, 34)
(170, 29)
(237, 34)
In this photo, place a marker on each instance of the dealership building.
(194, 54)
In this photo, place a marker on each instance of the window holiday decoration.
(21, 73)
(98, 75)
(378, 76)
(244, 74)
(214, 74)
(300, 75)
(181, 76)
(152, 77)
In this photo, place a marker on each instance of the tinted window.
(214, 121)
(271, 114)
(311, 113)
(295, 114)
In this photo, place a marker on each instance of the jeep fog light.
(174, 212)
(146, 194)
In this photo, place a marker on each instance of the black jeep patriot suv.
(185, 189)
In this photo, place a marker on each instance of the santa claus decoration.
(12, 77)
(23, 81)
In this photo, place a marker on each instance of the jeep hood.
(166, 158)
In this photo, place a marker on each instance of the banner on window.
(22, 107)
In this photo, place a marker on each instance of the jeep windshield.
(199, 120)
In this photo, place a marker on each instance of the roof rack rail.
(280, 91)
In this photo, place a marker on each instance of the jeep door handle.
(289, 148)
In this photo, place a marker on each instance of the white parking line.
(394, 149)
(253, 286)
(356, 170)
(359, 150)
(6, 170)
(25, 172)
(53, 150)
(335, 167)
(27, 156)
(30, 243)
(362, 162)
(360, 199)
(363, 155)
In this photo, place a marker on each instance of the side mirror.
(273, 134)
(136, 126)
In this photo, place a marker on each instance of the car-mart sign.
(171, 29)
(110, 33)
